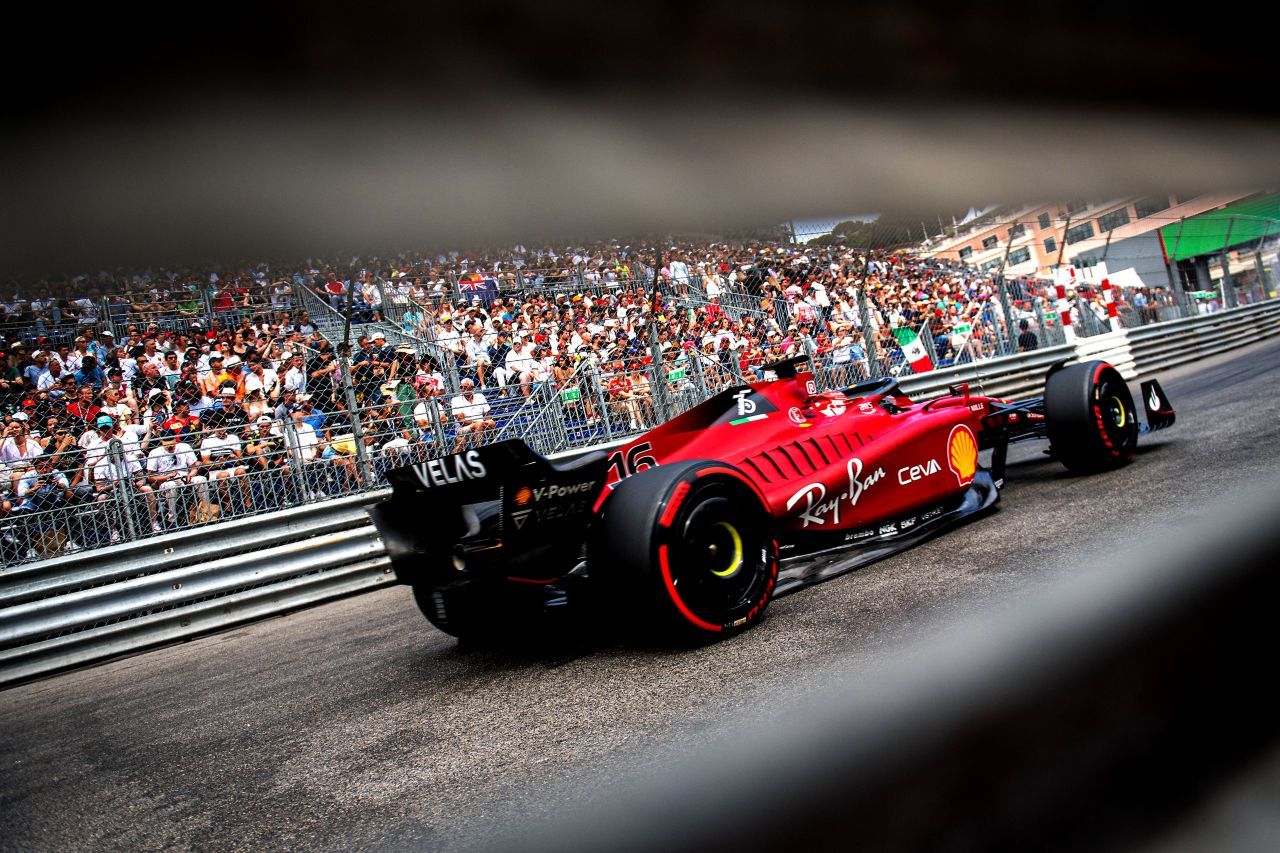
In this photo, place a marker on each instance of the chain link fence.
(454, 387)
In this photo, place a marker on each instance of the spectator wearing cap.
(212, 381)
(288, 402)
(471, 411)
(225, 407)
(105, 473)
(169, 468)
(267, 462)
(314, 417)
(234, 367)
(222, 455)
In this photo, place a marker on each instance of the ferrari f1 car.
(693, 527)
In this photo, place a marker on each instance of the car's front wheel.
(1091, 419)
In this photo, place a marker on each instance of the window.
(1147, 206)
(990, 242)
(1050, 245)
(1076, 206)
(1020, 256)
(1076, 233)
(1114, 219)
(1017, 231)
(966, 252)
(1183, 199)
(1044, 221)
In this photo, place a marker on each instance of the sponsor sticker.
(888, 529)
(817, 507)
(908, 474)
(796, 416)
(833, 409)
(962, 454)
(461, 468)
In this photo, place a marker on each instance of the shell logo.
(962, 454)
(523, 496)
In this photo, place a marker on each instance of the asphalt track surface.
(356, 724)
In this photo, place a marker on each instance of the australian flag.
(474, 286)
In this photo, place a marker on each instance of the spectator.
(471, 411)
(1027, 339)
(170, 467)
(222, 456)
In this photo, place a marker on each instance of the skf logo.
(523, 496)
(962, 454)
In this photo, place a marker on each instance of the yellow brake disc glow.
(1124, 414)
(736, 563)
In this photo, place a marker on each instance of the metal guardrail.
(73, 610)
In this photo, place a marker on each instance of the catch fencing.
(87, 606)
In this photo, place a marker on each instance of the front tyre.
(686, 551)
(1090, 417)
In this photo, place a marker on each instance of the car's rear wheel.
(1091, 419)
(686, 551)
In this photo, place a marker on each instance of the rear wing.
(506, 494)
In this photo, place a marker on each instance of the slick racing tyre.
(1090, 416)
(686, 552)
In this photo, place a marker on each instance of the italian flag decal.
(913, 349)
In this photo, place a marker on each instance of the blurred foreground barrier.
(74, 610)
(1091, 716)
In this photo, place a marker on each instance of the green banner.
(570, 395)
(1214, 232)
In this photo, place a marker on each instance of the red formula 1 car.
(692, 527)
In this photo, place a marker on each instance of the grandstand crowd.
(181, 397)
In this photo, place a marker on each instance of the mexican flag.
(913, 348)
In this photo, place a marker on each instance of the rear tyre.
(685, 552)
(1090, 417)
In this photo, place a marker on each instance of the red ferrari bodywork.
(826, 462)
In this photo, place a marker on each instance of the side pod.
(1160, 413)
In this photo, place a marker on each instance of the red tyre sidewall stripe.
(673, 504)
(688, 614)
